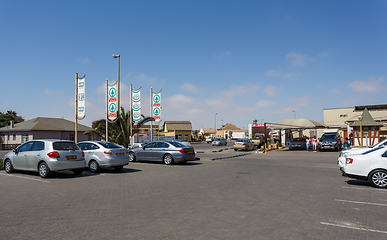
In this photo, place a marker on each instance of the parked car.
(219, 142)
(330, 140)
(101, 154)
(345, 153)
(370, 166)
(168, 152)
(210, 139)
(296, 143)
(45, 156)
(243, 144)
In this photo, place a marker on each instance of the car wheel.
(8, 166)
(132, 157)
(94, 166)
(44, 170)
(378, 178)
(235, 149)
(168, 159)
(77, 171)
(225, 144)
(118, 168)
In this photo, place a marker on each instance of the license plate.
(296, 145)
(189, 151)
(239, 144)
(71, 157)
(119, 154)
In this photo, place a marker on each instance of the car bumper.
(240, 147)
(55, 165)
(341, 162)
(184, 157)
(111, 162)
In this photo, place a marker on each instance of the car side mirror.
(15, 150)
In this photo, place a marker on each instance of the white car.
(370, 166)
(345, 153)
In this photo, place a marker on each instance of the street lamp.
(118, 81)
(222, 129)
(215, 125)
(361, 131)
(294, 114)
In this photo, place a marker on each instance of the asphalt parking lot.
(279, 195)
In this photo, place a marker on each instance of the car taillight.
(83, 154)
(182, 151)
(53, 155)
(233, 144)
(244, 144)
(127, 152)
(349, 160)
(108, 152)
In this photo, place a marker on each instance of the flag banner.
(112, 101)
(136, 104)
(81, 111)
(156, 105)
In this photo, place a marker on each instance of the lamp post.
(294, 114)
(215, 125)
(118, 81)
(222, 128)
(361, 132)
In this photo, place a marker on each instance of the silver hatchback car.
(45, 156)
(219, 142)
(101, 154)
(168, 152)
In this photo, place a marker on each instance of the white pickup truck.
(210, 139)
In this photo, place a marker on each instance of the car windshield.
(177, 144)
(109, 145)
(65, 146)
(328, 137)
(241, 140)
(298, 139)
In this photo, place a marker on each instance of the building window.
(178, 137)
(344, 115)
(72, 137)
(186, 137)
(24, 138)
(89, 137)
(14, 137)
(2, 138)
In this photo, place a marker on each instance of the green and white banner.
(112, 101)
(156, 106)
(81, 111)
(136, 104)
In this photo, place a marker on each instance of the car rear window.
(65, 146)
(298, 139)
(176, 144)
(109, 145)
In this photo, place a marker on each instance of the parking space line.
(366, 188)
(10, 175)
(348, 201)
(356, 228)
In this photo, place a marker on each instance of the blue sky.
(243, 60)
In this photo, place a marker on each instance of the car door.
(35, 154)
(91, 152)
(146, 153)
(19, 161)
(159, 151)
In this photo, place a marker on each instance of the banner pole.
(131, 115)
(107, 111)
(151, 114)
(76, 108)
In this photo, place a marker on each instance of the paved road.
(279, 195)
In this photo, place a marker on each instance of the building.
(42, 128)
(342, 118)
(181, 130)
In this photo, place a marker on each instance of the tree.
(6, 118)
(255, 121)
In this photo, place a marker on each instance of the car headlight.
(334, 143)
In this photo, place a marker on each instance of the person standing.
(314, 142)
(307, 143)
(346, 143)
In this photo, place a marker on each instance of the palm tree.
(119, 131)
(255, 121)
(124, 125)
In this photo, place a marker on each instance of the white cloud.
(326, 53)
(189, 88)
(301, 102)
(83, 61)
(271, 90)
(298, 59)
(371, 85)
(335, 90)
(221, 56)
(49, 92)
(279, 73)
(264, 103)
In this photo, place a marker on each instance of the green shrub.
(1, 162)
